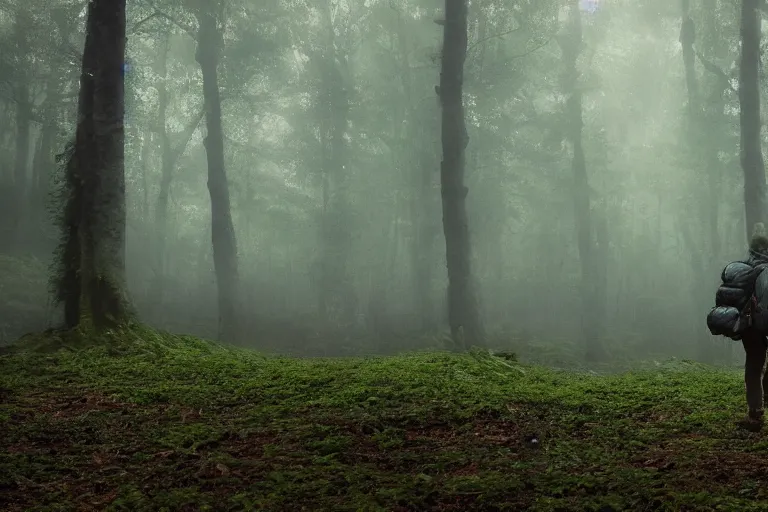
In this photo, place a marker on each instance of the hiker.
(741, 313)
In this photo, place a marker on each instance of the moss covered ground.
(146, 421)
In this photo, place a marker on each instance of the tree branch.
(713, 68)
(139, 24)
(185, 136)
(189, 29)
(493, 36)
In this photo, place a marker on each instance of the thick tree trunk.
(222, 229)
(104, 284)
(91, 277)
(749, 103)
(592, 309)
(68, 284)
(463, 314)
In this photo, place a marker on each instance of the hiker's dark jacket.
(760, 314)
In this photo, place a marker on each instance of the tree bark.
(749, 115)
(463, 313)
(222, 229)
(105, 284)
(92, 264)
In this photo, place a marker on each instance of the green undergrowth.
(135, 420)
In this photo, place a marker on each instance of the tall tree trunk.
(337, 235)
(463, 313)
(749, 115)
(44, 163)
(687, 38)
(427, 232)
(714, 46)
(91, 277)
(161, 210)
(571, 44)
(169, 156)
(79, 157)
(23, 103)
(42, 166)
(146, 151)
(222, 229)
(420, 172)
(43, 160)
(105, 285)
(715, 117)
(336, 292)
(692, 134)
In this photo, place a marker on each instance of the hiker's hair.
(759, 241)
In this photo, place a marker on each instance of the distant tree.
(749, 102)
(692, 131)
(22, 93)
(417, 163)
(90, 278)
(571, 45)
(463, 313)
(335, 294)
(170, 152)
(209, 46)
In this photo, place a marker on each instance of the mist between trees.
(284, 187)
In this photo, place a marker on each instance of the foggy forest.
(378, 233)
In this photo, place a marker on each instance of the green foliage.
(228, 429)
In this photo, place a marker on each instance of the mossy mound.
(138, 420)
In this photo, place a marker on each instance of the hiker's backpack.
(735, 302)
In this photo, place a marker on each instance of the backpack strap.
(752, 307)
(749, 310)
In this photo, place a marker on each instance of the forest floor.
(157, 422)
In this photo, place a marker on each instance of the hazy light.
(589, 6)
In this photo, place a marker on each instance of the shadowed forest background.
(598, 226)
